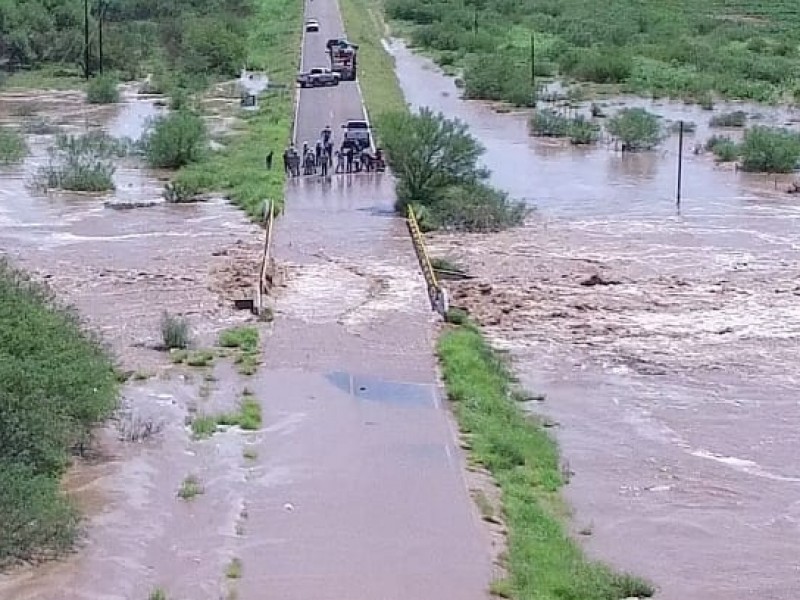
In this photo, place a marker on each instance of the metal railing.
(436, 293)
(267, 270)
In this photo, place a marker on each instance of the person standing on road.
(329, 152)
(324, 164)
(326, 135)
(318, 152)
(339, 162)
(286, 163)
(349, 158)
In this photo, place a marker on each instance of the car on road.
(356, 133)
(318, 77)
(312, 25)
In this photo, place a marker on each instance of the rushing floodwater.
(675, 387)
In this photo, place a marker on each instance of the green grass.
(544, 563)
(239, 169)
(190, 487)
(364, 25)
(247, 417)
(234, 570)
(46, 78)
(12, 146)
(244, 338)
(157, 594)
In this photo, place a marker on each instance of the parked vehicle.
(312, 25)
(318, 77)
(356, 134)
(344, 58)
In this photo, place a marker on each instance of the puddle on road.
(672, 371)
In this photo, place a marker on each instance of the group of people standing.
(320, 158)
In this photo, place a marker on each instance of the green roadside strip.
(239, 169)
(544, 562)
(365, 27)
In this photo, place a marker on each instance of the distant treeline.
(205, 37)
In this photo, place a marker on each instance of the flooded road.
(663, 340)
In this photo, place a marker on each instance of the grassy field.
(55, 384)
(544, 563)
(682, 48)
(239, 170)
(364, 25)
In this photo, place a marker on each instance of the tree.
(636, 128)
(770, 150)
(429, 152)
(175, 140)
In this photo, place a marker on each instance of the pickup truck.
(356, 133)
(318, 77)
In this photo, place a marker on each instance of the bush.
(582, 131)
(548, 123)
(102, 90)
(12, 146)
(599, 65)
(636, 128)
(82, 163)
(770, 150)
(498, 76)
(731, 119)
(175, 333)
(175, 140)
(55, 384)
(475, 207)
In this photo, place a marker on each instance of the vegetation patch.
(746, 49)
(543, 561)
(770, 150)
(56, 383)
(190, 487)
(436, 162)
(175, 140)
(234, 569)
(246, 342)
(175, 331)
(82, 163)
(736, 118)
(102, 90)
(12, 146)
(247, 417)
(636, 128)
(239, 169)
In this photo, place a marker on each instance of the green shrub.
(636, 128)
(175, 140)
(726, 151)
(582, 131)
(102, 90)
(548, 123)
(599, 65)
(12, 146)
(475, 207)
(56, 382)
(82, 163)
(770, 150)
(175, 331)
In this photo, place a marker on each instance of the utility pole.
(86, 39)
(680, 164)
(100, 13)
(475, 24)
(532, 70)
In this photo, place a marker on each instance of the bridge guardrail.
(436, 293)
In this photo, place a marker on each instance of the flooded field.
(662, 338)
(122, 268)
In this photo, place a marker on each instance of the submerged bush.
(12, 146)
(175, 140)
(731, 119)
(475, 207)
(82, 163)
(636, 128)
(770, 150)
(548, 123)
(582, 131)
(102, 90)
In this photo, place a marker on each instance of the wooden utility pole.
(100, 12)
(680, 164)
(86, 39)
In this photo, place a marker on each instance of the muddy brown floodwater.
(665, 342)
(122, 269)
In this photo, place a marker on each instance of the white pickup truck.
(318, 77)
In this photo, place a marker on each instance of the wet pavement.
(362, 494)
(670, 375)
